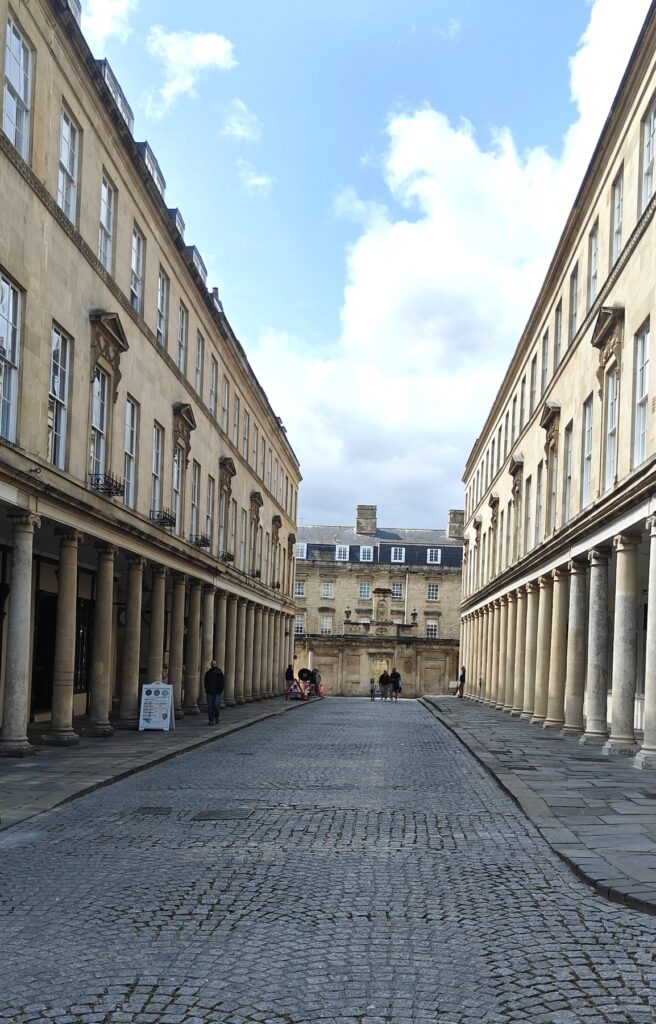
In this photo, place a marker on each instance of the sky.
(377, 188)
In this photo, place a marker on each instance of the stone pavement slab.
(598, 813)
(55, 775)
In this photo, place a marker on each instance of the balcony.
(200, 540)
(226, 556)
(163, 517)
(107, 483)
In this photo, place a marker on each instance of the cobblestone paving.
(349, 863)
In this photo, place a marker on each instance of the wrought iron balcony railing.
(200, 540)
(163, 517)
(107, 483)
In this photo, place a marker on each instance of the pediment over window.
(276, 523)
(184, 412)
(609, 325)
(516, 465)
(184, 422)
(226, 472)
(493, 502)
(111, 326)
(257, 499)
(550, 412)
(256, 504)
(108, 341)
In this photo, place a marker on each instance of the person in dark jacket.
(395, 685)
(289, 674)
(214, 684)
(384, 682)
(460, 692)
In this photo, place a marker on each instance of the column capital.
(599, 556)
(178, 578)
(69, 535)
(158, 570)
(510, 598)
(106, 550)
(560, 574)
(195, 584)
(209, 588)
(241, 601)
(497, 602)
(651, 525)
(26, 520)
(576, 567)
(136, 561)
(520, 593)
(503, 600)
(625, 542)
(531, 586)
(544, 582)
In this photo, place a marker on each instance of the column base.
(572, 730)
(102, 729)
(551, 723)
(240, 700)
(526, 716)
(537, 720)
(249, 700)
(229, 702)
(516, 713)
(16, 748)
(619, 748)
(498, 707)
(202, 705)
(126, 723)
(60, 738)
(643, 759)
(257, 696)
(178, 714)
(593, 739)
(194, 710)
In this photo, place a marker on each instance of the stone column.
(486, 696)
(192, 664)
(155, 670)
(463, 653)
(596, 712)
(282, 662)
(63, 677)
(177, 642)
(558, 652)
(480, 690)
(128, 705)
(530, 659)
(207, 643)
(520, 654)
(576, 637)
(511, 639)
(249, 660)
(16, 705)
(240, 651)
(646, 756)
(276, 653)
(476, 650)
(220, 630)
(494, 690)
(257, 653)
(100, 696)
(543, 651)
(622, 733)
(230, 651)
(264, 670)
(270, 652)
(503, 643)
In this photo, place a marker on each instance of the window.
(545, 362)
(366, 554)
(209, 510)
(256, 442)
(162, 309)
(183, 328)
(106, 229)
(214, 377)
(301, 551)
(558, 335)
(528, 536)
(299, 588)
(397, 591)
(433, 592)
(242, 539)
(178, 458)
(299, 625)
(130, 453)
(98, 449)
(586, 477)
(431, 629)
(508, 532)
(269, 467)
(505, 434)
(341, 552)
(641, 388)
(58, 398)
(195, 499)
(18, 90)
(618, 215)
(501, 536)
(499, 448)
(492, 455)
(538, 504)
(156, 472)
(262, 457)
(364, 592)
(69, 148)
(398, 554)
(245, 435)
(553, 488)
(328, 591)
(573, 302)
(522, 403)
(567, 474)
(593, 264)
(325, 624)
(611, 426)
(137, 270)
(235, 420)
(434, 556)
(225, 401)
(200, 359)
(233, 527)
(513, 421)
(223, 521)
(533, 384)
(648, 139)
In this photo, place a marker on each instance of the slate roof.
(390, 535)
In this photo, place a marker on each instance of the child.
(372, 689)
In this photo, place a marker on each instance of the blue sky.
(347, 170)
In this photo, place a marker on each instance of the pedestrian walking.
(372, 688)
(214, 684)
(384, 683)
(315, 679)
(460, 692)
(395, 684)
(289, 674)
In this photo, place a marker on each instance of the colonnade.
(252, 642)
(541, 651)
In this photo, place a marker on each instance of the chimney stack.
(365, 521)
(456, 527)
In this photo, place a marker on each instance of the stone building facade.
(371, 598)
(559, 608)
(148, 490)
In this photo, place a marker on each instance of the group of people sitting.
(390, 685)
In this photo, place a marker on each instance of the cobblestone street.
(350, 862)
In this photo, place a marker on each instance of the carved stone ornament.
(256, 504)
(550, 421)
(478, 522)
(494, 505)
(226, 472)
(291, 540)
(108, 340)
(276, 523)
(607, 338)
(184, 422)
(516, 470)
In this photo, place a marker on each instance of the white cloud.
(435, 300)
(452, 30)
(106, 19)
(241, 123)
(253, 182)
(185, 56)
